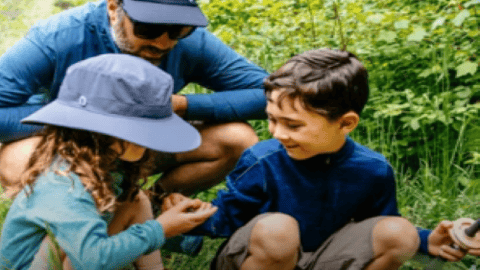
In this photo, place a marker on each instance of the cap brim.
(148, 12)
(170, 134)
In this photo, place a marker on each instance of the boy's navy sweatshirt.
(322, 193)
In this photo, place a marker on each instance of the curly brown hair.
(90, 156)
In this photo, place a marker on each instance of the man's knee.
(276, 238)
(395, 237)
(241, 136)
(235, 139)
(14, 159)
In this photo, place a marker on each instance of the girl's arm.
(70, 213)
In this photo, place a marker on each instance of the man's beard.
(126, 46)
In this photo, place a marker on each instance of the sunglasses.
(153, 31)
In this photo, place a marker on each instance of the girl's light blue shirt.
(61, 204)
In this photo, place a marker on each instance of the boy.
(312, 198)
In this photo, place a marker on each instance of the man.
(167, 33)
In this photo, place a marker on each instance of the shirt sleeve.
(386, 200)
(386, 205)
(237, 81)
(243, 199)
(24, 71)
(72, 216)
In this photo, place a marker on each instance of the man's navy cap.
(121, 96)
(181, 12)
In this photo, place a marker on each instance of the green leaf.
(472, 2)
(427, 72)
(438, 22)
(403, 24)
(467, 67)
(461, 17)
(377, 18)
(464, 94)
(387, 36)
(414, 124)
(418, 34)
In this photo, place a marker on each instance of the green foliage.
(54, 251)
(422, 58)
(4, 206)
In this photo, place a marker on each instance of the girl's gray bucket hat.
(122, 96)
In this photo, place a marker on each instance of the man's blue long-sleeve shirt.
(322, 193)
(38, 62)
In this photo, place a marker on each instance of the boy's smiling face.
(302, 132)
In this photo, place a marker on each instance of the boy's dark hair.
(329, 82)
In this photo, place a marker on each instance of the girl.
(109, 110)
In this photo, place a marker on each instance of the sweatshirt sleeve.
(72, 216)
(386, 204)
(424, 234)
(244, 198)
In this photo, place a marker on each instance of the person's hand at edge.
(440, 243)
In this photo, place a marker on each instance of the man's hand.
(185, 216)
(439, 243)
(179, 105)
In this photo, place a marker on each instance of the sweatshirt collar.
(330, 159)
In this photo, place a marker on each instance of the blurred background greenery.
(423, 111)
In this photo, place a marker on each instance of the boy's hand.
(474, 252)
(185, 216)
(172, 200)
(439, 243)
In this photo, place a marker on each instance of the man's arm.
(238, 83)
(24, 70)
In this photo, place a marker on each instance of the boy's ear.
(348, 122)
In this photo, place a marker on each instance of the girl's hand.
(172, 200)
(184, 216)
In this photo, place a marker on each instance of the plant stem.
(312, 19)
(337, 17)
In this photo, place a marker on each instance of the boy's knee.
(276, 238)
(395, 237)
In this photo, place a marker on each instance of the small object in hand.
(461, 238)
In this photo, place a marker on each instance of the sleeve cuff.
(158, 233)
(424, 234)
(185, 244)
(227, 106)
(200, 106)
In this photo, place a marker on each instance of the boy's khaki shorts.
(349, 248)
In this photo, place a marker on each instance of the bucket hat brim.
(168, 134)
(161, 13)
